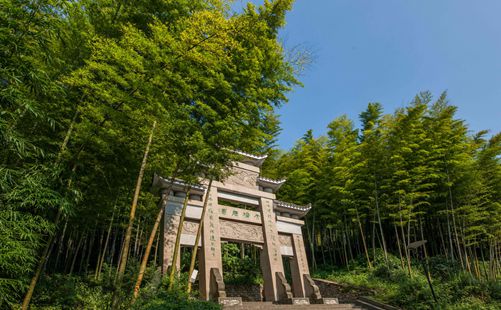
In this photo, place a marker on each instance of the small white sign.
(194, 276)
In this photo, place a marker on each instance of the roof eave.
(160, 183)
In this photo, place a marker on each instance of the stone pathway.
(269, 305)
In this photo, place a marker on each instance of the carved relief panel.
(242, 177)
(241, 231)
(285, 240)
(190, 228)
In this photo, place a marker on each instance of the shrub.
(495, 290)
(443, 268)
(158, 297)
(379, 259)
(59, 292)
(454, 288)
(70, 292)
(176, 299)
(413, 293)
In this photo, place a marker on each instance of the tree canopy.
(81, 84)
(416, 174)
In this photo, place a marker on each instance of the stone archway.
(265, 221)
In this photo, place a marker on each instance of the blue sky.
(389, 50)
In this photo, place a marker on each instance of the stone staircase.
(348, 300)
(270, 305)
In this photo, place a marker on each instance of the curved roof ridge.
(253, 156)
(271, 180)
(290, 205)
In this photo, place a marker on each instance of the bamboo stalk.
(137, 236)
(124, 255)
(76, 254)
(369, 264)
(100, 254)
(399, 247)
(378, 213)
(82, 256)
(60, 244)
(197, 239)
(41, 263)
(178, 241)
(101, 261)
(87, 260)
(144, 260)
(156, 249)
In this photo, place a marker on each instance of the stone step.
(368, 306)
(269, 305)
(371, 304)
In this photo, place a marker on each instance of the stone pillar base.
(328, 301)
(230, 301)
(300, 301)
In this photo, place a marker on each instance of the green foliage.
(81, 82)
(60, 291)
(20, 239)
(416, 174)
(157, 296)
(174, 300)
(458, 290)
(414, 168)
(71, 292)
(238, 270)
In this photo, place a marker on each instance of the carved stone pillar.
(210, 253)
(271, 258)
(170, 224)
(299, 266)
(297, 279)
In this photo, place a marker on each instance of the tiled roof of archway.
(291, 207)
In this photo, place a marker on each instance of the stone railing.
(284, 289)
(217, 284)
(311, 289)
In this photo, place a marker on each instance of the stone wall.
(248, 292)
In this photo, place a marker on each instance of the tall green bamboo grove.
(412, 175)
(81, 84)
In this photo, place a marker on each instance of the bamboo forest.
(98, 97)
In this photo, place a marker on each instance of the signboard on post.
(194, 276)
